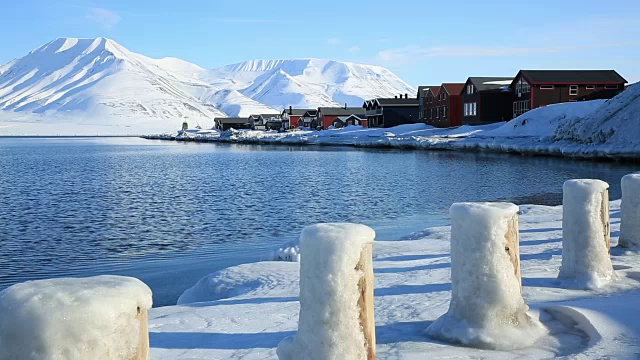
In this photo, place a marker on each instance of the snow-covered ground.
(244, 312)
(598, 128)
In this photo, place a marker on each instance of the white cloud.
(409, 54)
(103, 17)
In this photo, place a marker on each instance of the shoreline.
(524, 146)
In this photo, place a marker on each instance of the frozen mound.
(329, 324)
(543, 121)
(287, 252)
(487, 309)
(73, 318)
(616, 122)
(279, 278)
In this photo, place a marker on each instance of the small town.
(478, 101)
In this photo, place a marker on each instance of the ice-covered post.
(102, 317)
(336, 295)
(630, 209)
(585, 233)
(487, 309)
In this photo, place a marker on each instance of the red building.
(445, 109)
(535, 88)
(292, 116)
(327, 115)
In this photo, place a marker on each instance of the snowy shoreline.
(245, 311)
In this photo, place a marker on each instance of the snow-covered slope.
(309, 82)
(614, 123)
(96, 86)
(97, 82)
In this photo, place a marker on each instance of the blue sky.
(424, 42)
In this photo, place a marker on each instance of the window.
(444, 96)
(466, 113)
(546, 87)
(590, 87)
(573, 90)
(611, 87)
(473, 109)
(444, 111)
(522, 87)
(470, 89)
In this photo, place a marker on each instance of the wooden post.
(586, 238)
(630, 212)
(336, 259)
(604, 217)
(143, 342)
(512, 246)
(365, 302)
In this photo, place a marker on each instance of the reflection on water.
(171, 212)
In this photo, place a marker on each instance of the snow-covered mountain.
(308, 82)
(97, 86)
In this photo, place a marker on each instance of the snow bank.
(630, 212)
(613, 123)
(329, 325)
(254, 279)
(73, 318)
(487, 309)
(585, 253)
(543, 122)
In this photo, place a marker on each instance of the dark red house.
(327, 115)
(486, 100)
(445, 109)
(425, 94)
(535, 88)
(291, 116)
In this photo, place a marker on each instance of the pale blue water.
(170, 213)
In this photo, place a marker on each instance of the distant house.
(309, 119)
(445, 109)
(327, 115)
(343, 121)
(486, 100)
(424, 93)
(259, 121)
(389, 112)
(535, 88)
(225, 124)
(290, 117)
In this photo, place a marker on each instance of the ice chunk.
(329, 324)
(74, 318)
(487, 309)
(586, 263)
(630, 212)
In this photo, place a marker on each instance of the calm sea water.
(170, 213)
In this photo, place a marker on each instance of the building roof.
(235, 120)
(397, 102)
(572, 76)
(345, 118)
(490, 83)
(341, 111)
(296, 112)
(433, 88)
(453, 88)
(310, 113)
(256, 116)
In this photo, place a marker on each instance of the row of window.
(521, 107)
(522, 87)
(470, 89)
(437, 112)
(470, 109)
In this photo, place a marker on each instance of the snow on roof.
(501, 82)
